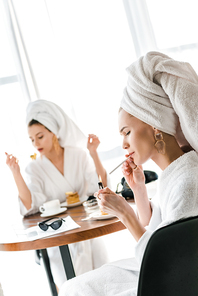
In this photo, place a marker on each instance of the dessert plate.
(56, 213)
(82, 199)
(99, 216)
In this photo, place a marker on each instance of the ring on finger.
(135, 168)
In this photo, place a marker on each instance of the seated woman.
(161, 96)
(63, 166)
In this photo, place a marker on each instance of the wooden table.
(89, 229)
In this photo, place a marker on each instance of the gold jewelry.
(135, 168)
(56, 144)
(160, 144)
(33, 156)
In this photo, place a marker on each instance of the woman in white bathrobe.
(158, 115)
(63, 166)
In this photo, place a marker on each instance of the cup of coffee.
(50, 207)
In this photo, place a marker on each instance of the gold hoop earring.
(56, 144)
(160, 144)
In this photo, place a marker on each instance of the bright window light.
(95, 47)
(174, 22)
(175, 26)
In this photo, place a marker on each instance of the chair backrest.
(170, 262)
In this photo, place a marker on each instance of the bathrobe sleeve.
(35, 183)
(182, 202)
(155, 220)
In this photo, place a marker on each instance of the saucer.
(56, 213)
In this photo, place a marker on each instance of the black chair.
(170, 262)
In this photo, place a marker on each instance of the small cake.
(72, 197)
(103, 213)
(91, 205)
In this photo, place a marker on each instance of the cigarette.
(119, 165)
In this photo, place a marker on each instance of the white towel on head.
(57, 121)
(163, 92)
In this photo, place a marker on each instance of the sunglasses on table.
(54, 225)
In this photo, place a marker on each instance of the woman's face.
(138, 137)
(41, 138)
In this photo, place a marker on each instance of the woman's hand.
(133, 174)
(135, 178)
(116, 205)
(92, 143)
(111, 203)
(13, 163)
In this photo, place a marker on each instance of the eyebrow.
(37, 134)
(122, 129)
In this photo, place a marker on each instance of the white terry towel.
(57, 121)
(163, 92)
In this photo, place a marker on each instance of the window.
(79, 51)
(95, 46)
(12, 122)
(175, 27)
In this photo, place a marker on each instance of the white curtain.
(18, 50)
(140, 26)
(13, 101)
(35, 51)
(167, 26)
(33, 40)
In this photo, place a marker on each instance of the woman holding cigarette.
(63, 166)
(157, 117)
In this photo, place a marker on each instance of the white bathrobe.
(46, 183)
(177, 197)
(1, 291)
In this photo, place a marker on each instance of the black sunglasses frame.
(43, 226)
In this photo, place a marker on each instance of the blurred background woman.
(63, 166)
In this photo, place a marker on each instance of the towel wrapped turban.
(163, 93)
(57, 121)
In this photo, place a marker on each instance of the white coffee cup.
(50, 207)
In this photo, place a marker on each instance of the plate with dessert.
(100, 215)
(73, 199)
